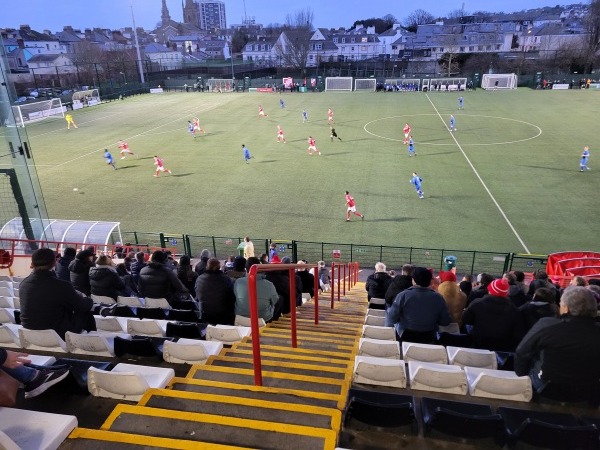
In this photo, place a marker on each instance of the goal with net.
(365, 84)
(499, 81)
(33, 112)
(89, 97)
(338, 83)
(220, 84)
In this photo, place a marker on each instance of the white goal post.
(499, 81)
(33, 112)
(365, 84)
(447, 84)
(338, 83)
(220, 84)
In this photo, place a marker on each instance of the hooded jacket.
(156, 281)
(104, 280)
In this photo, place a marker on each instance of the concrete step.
(282, 367)
(318, 335)
(258, 392)
(286, 357)
(195, 428)
(333, 355)
(243, 408)
(271, 379)
(306, 343)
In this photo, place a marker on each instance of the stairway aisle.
(217, 405)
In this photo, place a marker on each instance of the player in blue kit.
(281, 103)
(452, 126)
(416, 181)
(109, 159)
(247, 155)
(304, 116)
(411, 147)
(584, 159)
(460, 102)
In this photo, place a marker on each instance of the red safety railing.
(352, 277)
(291, 268)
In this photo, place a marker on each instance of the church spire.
(165, 13)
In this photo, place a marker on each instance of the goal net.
(402, 84)
(447, 84)
(499, 81)
(365, 84)
(89, 97)
(338, 83)
(220, 84)
(33, 112)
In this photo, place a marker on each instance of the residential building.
(164, 57)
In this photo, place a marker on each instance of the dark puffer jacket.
(106, 281)
(214, 292)
(80, 274)
(377, 285)
(62, 268)
(156, 281)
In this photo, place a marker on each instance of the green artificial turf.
(523, 145)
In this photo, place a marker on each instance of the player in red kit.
(160, 166)
(406, 130)
(330, 116)
(124, 149)
(196, 124)
(352, 208)
(280, 135)
(261, 112)
(312, 145)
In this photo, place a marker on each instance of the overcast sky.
(54, 14)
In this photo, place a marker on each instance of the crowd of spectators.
(553, 333)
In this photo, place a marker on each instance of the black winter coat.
(214, 292)
(377, 284)
(107, 282)
(62, 268)
(156, 281)
(80, 275)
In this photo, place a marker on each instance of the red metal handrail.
(291, 268)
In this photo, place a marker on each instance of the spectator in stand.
(239, 268)
(34, 381)
(129, 258)
(79, 271)
(248, 248)
(264, 258)
(455, 299)
(542, 305)
(481, 289)
(515, 294)
(495, 323)
(50, 303)
(229, 264)
(399, 283)
(62, 265)
(273, 256)
(520, 280)
(466, 285)
(105, 280)
(130, 287)
(378, 282)
(418, 309)
(281, 281)
(562, 354)
(186, 274)
(136, 267)
(156, 281)
(214, 292)
(540, 279)
(324, 277)
(594, 282)
(578, 281)
(201, 265)
(307, 279)
(267, 297)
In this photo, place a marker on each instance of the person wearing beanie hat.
(201, 266)
(495, 322)
(453, 296)
(50, 303)
(156, 280)
(79, 270)
(239, 268)
(498, 287)
(417, 311)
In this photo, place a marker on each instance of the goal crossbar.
(499, 81)
(338, 83)
(220, 84)
(34, 112)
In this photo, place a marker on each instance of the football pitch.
(507, 180)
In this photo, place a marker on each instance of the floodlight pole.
(137, 46)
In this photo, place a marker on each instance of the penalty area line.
(502, 213)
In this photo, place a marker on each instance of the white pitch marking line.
(481, 180)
